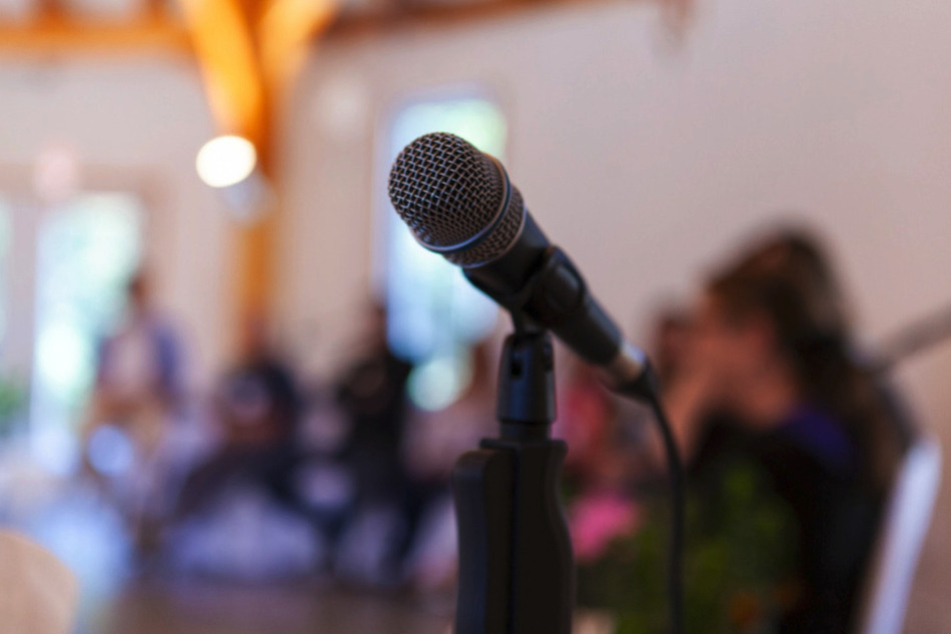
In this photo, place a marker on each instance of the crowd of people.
(349, 479)
(274, 475)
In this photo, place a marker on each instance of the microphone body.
(557, 298)
(460, 203)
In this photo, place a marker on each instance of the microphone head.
(456, 200)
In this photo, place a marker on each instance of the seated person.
(769, 375)
(259, 408)
(138, 375)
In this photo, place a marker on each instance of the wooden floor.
(203, 609)
(123, 595)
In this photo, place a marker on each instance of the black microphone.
(459, 202)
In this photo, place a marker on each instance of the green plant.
(12, 402)
(739, 559)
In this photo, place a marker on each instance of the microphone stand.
(516, 568)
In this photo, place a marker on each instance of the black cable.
(678, 502)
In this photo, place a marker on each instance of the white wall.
(647, 164)
(134, 124)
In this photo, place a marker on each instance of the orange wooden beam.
(250, 52)
(402, 15)
(436, 15)
(53, 30)
(68, 37)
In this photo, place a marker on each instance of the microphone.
(460, 203)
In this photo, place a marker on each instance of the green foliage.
(12, 401)
(740, 554)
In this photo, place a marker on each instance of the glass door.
(70, 265)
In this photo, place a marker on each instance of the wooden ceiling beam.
(409, 15)
(54, 32)
(61, 36)
(156, 9)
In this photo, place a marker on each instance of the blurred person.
(670, 340)
(259, 408)
(372, 395)
(136, 400)
(599, 465)
(434, 442)
(769, 376)
(586, 416)
(437, 438)
(139, 378)
(372, 392)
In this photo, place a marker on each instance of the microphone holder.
(516, 569)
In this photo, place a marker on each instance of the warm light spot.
(226, 160)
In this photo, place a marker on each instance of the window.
(434, 313)
(87, 252)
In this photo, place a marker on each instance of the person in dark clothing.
(769, 377)
(372, 395)
(259, 408)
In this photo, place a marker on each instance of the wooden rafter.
(53, 30)
(408, 15)
(70, 37)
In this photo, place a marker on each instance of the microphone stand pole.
(516, 569)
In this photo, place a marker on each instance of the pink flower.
(597, 520)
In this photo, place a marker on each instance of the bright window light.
(88, 249)
(434, 313)
(226, 160)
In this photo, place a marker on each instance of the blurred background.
(232, 385)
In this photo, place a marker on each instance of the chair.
(905, 524)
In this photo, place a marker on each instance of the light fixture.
(226, 160)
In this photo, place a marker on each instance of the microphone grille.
(446, 190)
